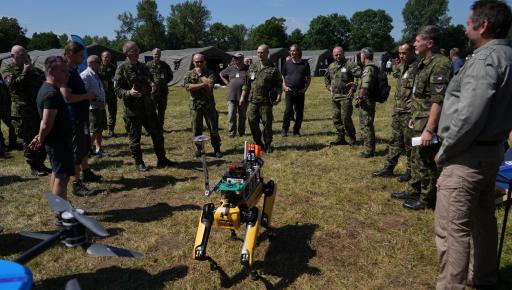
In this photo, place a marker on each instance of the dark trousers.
(294, 101)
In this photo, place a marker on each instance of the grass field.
(336, 227)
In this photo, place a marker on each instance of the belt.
(488, 143)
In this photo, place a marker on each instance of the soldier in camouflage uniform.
(339, 80)
(365, 101)
(401, 139)
(134, 84)
(24, 81)
(199, 82)
(162, 75)
(107, 73)
(433, 75)
(5, 116)
(263, 87)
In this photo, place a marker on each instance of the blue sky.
(99, 17)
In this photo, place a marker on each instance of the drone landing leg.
(253, 227)
(203, 232)
(40, 248)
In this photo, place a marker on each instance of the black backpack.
(380, 91)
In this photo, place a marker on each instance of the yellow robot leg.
(270, 190)
(203, 232)
(251, 235)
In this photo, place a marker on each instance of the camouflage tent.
(318, 60)
(276, 55)
(180, 61)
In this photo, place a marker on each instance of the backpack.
(380, 91)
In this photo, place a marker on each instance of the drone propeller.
(61, 205)
(38, 236)
(99, 250)
(73, 285)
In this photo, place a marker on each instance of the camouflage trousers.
(342, 117)
(424, 171)
(260, 112)
(133, 125)
(160, 101)
(27, 129)
(211, 116)
(366, 118)
(111, 102)
(5, 116)
(400, 142)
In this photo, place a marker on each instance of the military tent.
(180, 61)
(318, 60)
(276, 56)
(98, 49)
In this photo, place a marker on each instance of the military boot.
(405, 177)
(340, 140)
(387, 171)
(79, 189)
(89, 176)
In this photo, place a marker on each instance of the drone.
(241, 188)
(74, 230)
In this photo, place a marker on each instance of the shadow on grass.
(12, 243)
(115, 277)
(198, 165)
(10, 179)
(505, 277)
(301, 147)
(148, 214)
(287, 258)
(102, 163)
(152, 182)
(320, 133)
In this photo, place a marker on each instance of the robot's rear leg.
(251, 235)
(203, 232)
(269, 191)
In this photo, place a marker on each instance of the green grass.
(336, 227)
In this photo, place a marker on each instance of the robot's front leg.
(203, 231)
(269, 191)
(253, 228)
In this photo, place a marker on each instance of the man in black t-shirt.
(234, 77)
(55, 128)
(296, 79)
(78, 103)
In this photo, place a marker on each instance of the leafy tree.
(371, 28)
(455, 36)
(295, 37)
(272, 32)
(187, 24)
(327, 32)
(44, 41)
(63, 39)
(239, 34)
(418, 13)
(11, 33)
(219, 35)
(127, 26)
(102, 40)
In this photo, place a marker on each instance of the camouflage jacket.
(23, 86)
(137, 76)
(404, 85)
(162, 74)
(5, 99)
(261, 81)
(368, 79)
(203, 97)
(338, 75)
(107, 73)
(430, 84)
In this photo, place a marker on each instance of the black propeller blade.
(56, 203)
(38, 236)
(100, 250)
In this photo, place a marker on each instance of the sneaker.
(46, 169)
(36, 171)
(284, 133)
(164, 162)
(268, 148)
(89, 176)
(141, 167)
(100, 153)
(79, 189)
(297, 134)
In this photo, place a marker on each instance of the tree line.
(189, 25)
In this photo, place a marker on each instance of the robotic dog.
(241, 188)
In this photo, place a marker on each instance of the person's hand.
(241, 102)
(286, 88)
(198, 70)
(426, 138)
(134, 92)
(153, 87)
(27, 66)
(437, 160)
(408, 104)
(36, 143)
(410, 124)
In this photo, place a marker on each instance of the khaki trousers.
(465, 224)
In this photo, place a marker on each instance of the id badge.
(414, 90)
(344, 70)
(237, 75)
(253, 76)
(405, 75)
(162, 76)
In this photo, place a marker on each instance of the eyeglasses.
(199, 62)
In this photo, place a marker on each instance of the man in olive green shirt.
(474, 124)
(107, 73)
(134, 84)
(162, 75)
(262, 89)
(200, 82)
(339, 81)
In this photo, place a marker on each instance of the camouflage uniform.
(139, 111)
(401, 133)
(23, 86)
(261, 82)
(336, 78)
(430, 85)
(107, 74)
(162, 75)
(202, 105)
(367, 81)
(5, 114)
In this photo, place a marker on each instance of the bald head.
(17, 49)
(198, 60)
(338, 53)
(93, 62)
(106, 57)
(131, 50)
(262, 52)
